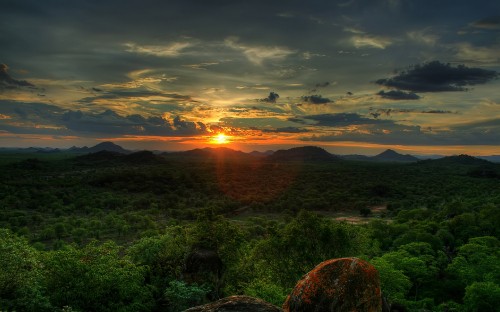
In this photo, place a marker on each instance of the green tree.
(95, 278)
(482, 297)
(418, 262)
(181, 296)
(478, 261)
(20, 275)
(300, 245)
(395, 284)
(163, 256)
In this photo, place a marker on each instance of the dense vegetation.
(104, 232)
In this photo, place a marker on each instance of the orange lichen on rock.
(345, 284)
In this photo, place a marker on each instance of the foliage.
(395, 284)
(20, 275)
(95, 278)
(181, 296)
(300, 245)
(482, 297)
(436, 245)
(267, 291)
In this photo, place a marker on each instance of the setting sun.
(220, 138)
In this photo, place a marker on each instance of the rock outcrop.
(236, 304)
(337, 285)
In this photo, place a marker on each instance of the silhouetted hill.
(305, 153)
(210, 153)
(393, 156)
(457, 160)
(104, 146)
(261, 154)
(107, 146)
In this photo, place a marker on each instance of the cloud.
(7, 82)
(271, 98)
(370, 41)
(398, 95)
(297, 120)
(477, 54)
(38, 118)
(437, 111)
(342, 119)
(259, 54)
(316, 99)
(437, 77)
(492, 22)
(169, 50)
(390, 111)
(130, 94)
(188, 127)
(202, 66)
(322, 85)
(110, 122)
(286, 130)
(423, 37)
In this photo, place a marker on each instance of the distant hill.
(209, 152)
(261, 154)
(457, 160)
(393, 156)
(104, 146)
(305, 153)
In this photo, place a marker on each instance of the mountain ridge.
(309, 153)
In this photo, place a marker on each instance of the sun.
(220, 138)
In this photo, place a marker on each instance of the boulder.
(236, 304)
(337, 285)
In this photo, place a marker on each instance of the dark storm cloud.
(342, 119)
(490, 124)
(389, 111)
(7, 82)
(188, 127)
(297, 120)
(492, 22)
(320, 85)
(437, 111)
(286, 130)
(436, 77)
(414, 135)
(126, 94)
(316, 99)
(271, 98)
(87, 41)
(398, 95)
(44, 118)
(111, 122)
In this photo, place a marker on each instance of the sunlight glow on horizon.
(220, 138)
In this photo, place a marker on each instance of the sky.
(351, 76)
